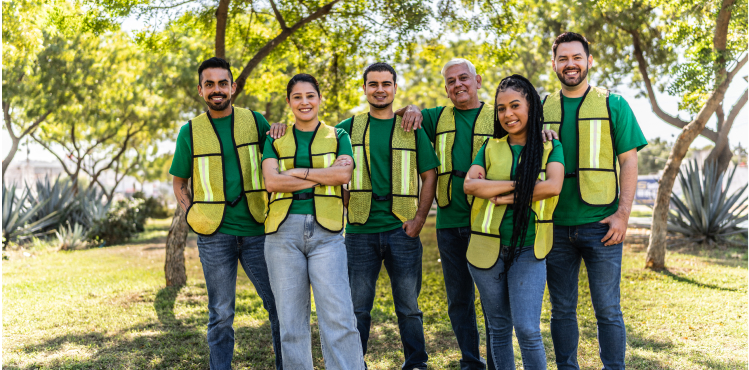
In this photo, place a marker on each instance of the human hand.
(342, 161)
(277, 130)
(617, 228)
(548, 135)
(412, 117)
(503, 199)
(413, 227)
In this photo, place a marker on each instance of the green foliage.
(124, 219)
(708, 214)
(653, 157)
(153, 207)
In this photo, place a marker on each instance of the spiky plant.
(708, 214)
(71, 237)
(19, 213)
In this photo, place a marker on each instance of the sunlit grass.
(107, 308)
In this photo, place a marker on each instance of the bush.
(124, 219)
(153, 207)
(70, 238)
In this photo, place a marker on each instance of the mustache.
(217, 94)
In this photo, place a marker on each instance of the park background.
(94, 93)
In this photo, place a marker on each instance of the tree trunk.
(11, 154)
(174, 266)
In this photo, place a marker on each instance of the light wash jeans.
(514, 300)
(301, 254)
(219, 254)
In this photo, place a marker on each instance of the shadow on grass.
(164, 305)
(687, 280)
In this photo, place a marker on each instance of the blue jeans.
(453, 244)
(219, 255)
(301, 254)
(402, 256)
(604, 265)
(515, 300)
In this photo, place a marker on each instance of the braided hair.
(529, 161)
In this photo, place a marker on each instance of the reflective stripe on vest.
(596, 167)
(404, 180)
(486, 217)
(206, 213)
(328, 200)
(483, 129)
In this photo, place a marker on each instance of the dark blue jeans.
(453, 244)
(604, 264)
(402, 256)
(219, 255)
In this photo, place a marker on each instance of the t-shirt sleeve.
(627, 132)
(181, 163)
(480, 159)
(268, 151)
(557, 153)
(345, 125)
(427, 158)
(431, 117)
(262, 127)
(344, 143)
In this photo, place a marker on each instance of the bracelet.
(306, 174)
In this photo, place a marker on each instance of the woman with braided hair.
(515, 179)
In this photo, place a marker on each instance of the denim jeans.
(514, 300)
(301, 254)
(604, 265)
(453, 244)
(219, 255)
(402, 256)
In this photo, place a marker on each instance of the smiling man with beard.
(386, 211)
(597, 129)
(226, 204)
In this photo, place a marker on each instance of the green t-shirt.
(506, 226)
(458, 213)
(302, 160)
(237, 220)
(571, 211)
(380, 216)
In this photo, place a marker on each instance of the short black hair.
(214, 62)
(380, 67)
(302, 77)
(570, 37)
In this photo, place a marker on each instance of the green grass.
(107, 308)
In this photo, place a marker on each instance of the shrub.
(19, 216)
(71, 237)
(708, 214)
(124, 219)
(155, 207)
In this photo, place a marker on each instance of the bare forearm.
(487, 188)
(331, 176)
(276, 182)
(181, 189)
(428, 189)
(627, 184)
(552, 186)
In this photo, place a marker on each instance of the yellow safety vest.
(483, 129)
(596, 167)
(206, 214)
(486, 217)
(328, 199)
(404, 176)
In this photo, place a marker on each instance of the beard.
(583, 74)
(380, 106)
(218, 107)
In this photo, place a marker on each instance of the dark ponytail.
(529, 162)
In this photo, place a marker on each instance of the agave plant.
(71, 237)
(18, 216)
(89, 207)
(57, 195)
(708, 214)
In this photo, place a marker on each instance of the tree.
(653, 157)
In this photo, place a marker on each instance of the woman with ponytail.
(515, 179)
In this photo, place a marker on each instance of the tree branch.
(278, 15)
(642, 65)
(272, 44)
(49, 149)
(221, 18)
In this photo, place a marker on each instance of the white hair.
(457, 61)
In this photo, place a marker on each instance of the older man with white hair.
(458, 131)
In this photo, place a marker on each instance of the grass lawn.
(107, 308)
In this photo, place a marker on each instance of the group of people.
(526, 188)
